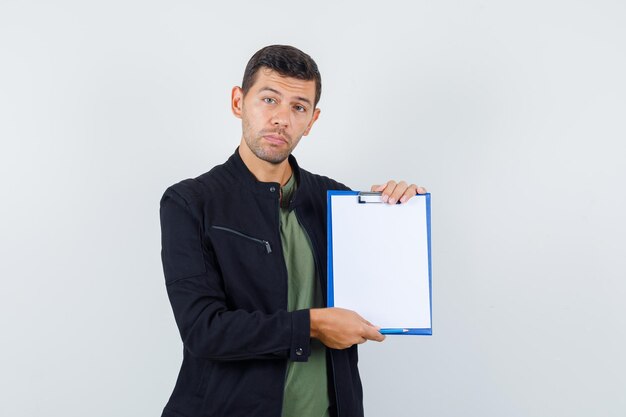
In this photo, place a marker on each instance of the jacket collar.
(270, 189)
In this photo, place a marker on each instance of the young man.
(244, 255)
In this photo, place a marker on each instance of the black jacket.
(227, 283)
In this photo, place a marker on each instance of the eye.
(299, 108)
(269, 100)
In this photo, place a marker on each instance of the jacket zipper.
(268, 248)
(324, 296)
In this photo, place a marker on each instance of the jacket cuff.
(300, 349)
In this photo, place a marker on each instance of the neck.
(262, 170)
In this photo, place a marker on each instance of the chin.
(274, 159)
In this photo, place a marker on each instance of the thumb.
(372, 333)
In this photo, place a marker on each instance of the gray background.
(511, 113)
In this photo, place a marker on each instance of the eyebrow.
(278, 93)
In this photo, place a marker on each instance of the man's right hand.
(339, 328)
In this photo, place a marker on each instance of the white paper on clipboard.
(379, 262)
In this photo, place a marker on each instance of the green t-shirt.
(306, 384)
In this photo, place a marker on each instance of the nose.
(280, 118)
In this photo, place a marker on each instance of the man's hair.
(285, 60)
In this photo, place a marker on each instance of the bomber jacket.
(226, 280)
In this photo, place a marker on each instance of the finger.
(370, 324)
(421, 190)
(398, 192)
(410, 192)
(373, 325)
(388, 190)
(378, 188)
(372, 333)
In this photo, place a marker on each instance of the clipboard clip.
(370, 197)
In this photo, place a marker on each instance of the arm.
(208, 328)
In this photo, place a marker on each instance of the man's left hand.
(392, 191)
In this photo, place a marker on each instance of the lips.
(278, 140)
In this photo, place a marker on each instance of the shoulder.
(196, 190)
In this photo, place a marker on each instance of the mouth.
(275, 139)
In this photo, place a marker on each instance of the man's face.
(276, 112)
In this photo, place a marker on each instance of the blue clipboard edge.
(330, 297)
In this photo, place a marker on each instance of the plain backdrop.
(511, 113)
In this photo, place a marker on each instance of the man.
(244, 255)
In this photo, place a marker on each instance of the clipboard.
(379, 260)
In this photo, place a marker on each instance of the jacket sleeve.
(207, 327)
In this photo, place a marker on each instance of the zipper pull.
(267, 246)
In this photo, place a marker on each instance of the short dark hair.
(285, 60)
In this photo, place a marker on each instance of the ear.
(236, 101)
(316, 114)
